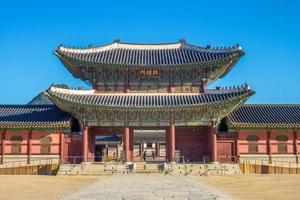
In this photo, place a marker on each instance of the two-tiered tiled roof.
(268, 115)
(32, 116)
(148, 100)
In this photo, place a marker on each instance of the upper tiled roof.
(31, 116)
(147, 100)
(261, 115)
(150, 54)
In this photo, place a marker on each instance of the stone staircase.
(92, 169)
(69, 169)
(142, 167)
(203, 169)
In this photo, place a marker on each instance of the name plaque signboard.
(149, 73)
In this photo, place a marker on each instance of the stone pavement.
(146, 186)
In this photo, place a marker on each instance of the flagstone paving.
(147, 186)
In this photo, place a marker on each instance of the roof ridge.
(143, 46)
(261, 104)
(27, 105)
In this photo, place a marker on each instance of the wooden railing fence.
(253, 166)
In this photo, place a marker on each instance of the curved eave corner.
(51, 97)
(234, 61)
(65, 61)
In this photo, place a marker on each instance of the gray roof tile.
(147, 100)
(263, 115)
(149, 55)
(15, 116)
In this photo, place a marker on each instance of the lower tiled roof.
(147, 100)
(32, 116)
(266, 115)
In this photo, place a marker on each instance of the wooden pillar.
(94, 85)
(29, 146)
(296, 145)
(85, 143)
(131, 144)
(171, 84)
(171, 87)
(92, 142)
(167, 139)
(141, 149)
(237, 144)
(203, 86)
(157, 149)
(269, 132)
(2, 146)
(61, 146)
(128, 143)
(172, 142)
(213, 142)
(127, 87)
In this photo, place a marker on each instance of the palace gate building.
(150, 100)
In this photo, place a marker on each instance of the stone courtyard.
(147, 186)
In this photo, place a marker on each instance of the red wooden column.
(92, 142)
(128, 143)
(61, 146)
(237, 144)
(157, 149)
(269, 131)
(167, 139)
(85, 143)
(2, 146)
(171, 88)
(127, 87)
(131, 143)
(296, 145)
(127, 83)
(203, 86)
(94, 85)
(213, 141)
(172, 142)
(29, 146)
(141, 149)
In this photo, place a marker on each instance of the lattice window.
(282, 148)
(45, 139)
(16, 139)
(162, 146)
(16, 149)
(45, 144)
(45, 148)
(282, 138)
(253, 148)
(252, 138)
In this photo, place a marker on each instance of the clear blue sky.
(268, 31)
